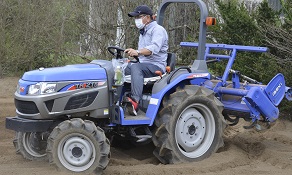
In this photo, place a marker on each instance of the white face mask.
(139, 23)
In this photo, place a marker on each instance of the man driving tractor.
(152, 54)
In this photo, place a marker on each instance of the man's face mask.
(139, 23)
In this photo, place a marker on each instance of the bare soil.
(245, 151)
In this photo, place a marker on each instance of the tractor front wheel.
(31, 145)
(78, 146)
(189, 126)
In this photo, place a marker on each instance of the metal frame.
(199, 64)
(257, 98)
(231, 57)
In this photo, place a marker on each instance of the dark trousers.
(138, 72)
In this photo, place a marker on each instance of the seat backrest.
(171, 60)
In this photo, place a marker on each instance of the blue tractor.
(68, 114)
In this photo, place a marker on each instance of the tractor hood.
(67, 73)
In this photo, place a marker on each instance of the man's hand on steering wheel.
(117, 52)
(132, 52)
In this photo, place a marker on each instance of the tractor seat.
(171, 60)
(170, 66)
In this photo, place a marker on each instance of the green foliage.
(46, 33)
(262, 27)
(241, 27)
(287, 14)
(277, 34)
(265, 14)
(32, 31)
(238, 26)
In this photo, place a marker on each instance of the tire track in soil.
(272, 147)
(228, 157)
(216, 163)
(278, 144)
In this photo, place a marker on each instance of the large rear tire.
(189, 126)
(30, 145)
(78, 146)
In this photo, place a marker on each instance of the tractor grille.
(49, 105)
(26, 107)
(81, 101)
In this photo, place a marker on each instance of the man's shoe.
(132, 106)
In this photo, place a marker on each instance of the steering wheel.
(117, 52)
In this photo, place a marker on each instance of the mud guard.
(162, 87)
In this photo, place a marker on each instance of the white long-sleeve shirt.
(155, 39)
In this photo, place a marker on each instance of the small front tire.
(31, 145)
(78, 146)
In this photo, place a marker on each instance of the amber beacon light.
(210, 21)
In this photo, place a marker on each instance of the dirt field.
(245, 151)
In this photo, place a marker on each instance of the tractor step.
(141, 138)
(123, 118)
(136, 118)
(140, 119)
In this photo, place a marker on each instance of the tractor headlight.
(41, 88)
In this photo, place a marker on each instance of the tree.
(37, 33)
(278, 36)
(242, 26)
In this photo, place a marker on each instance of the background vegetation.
(37, 33)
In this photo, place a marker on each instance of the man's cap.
(141, 10)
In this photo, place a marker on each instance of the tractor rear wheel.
(78, 146)
(31, 145)
(189, 126)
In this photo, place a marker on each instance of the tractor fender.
(163, 86)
